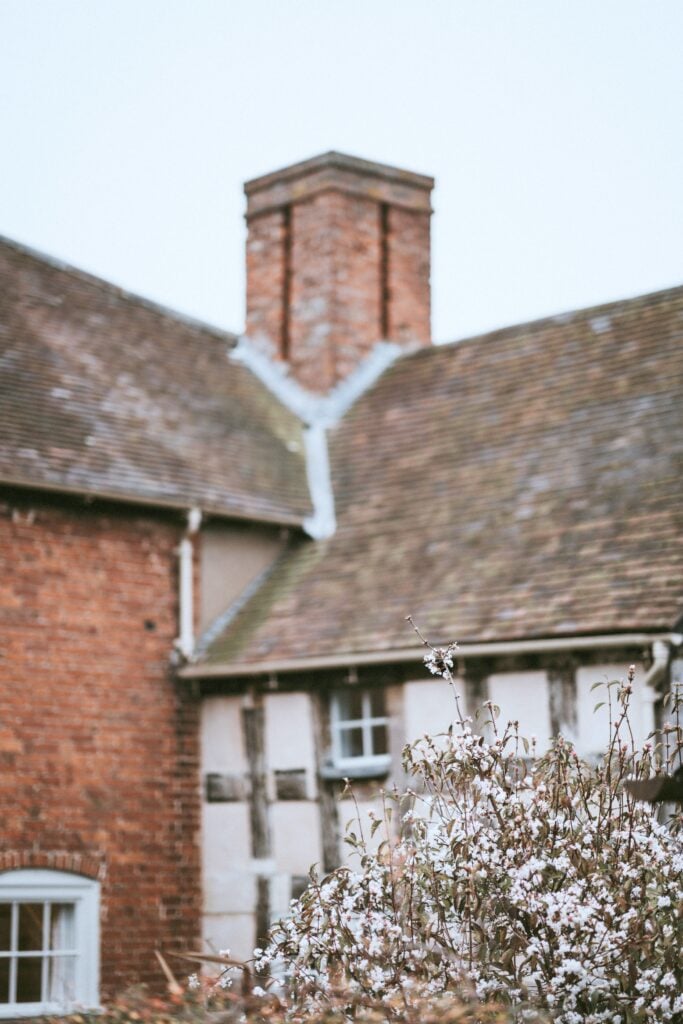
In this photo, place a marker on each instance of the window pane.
(4, 979)
(5, 925)
(29, 969)
(62, 926)
(377, 704)
(349, 704)
(61, 979)
(30, 926)
(351, 741)
(379, 739)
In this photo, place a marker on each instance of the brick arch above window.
(90, 865)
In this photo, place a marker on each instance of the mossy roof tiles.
(526, 483)
(104, 393)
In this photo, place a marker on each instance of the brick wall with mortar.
(338, 258)
(98, 748)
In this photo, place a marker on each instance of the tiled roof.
(526, 483)
(103, 393)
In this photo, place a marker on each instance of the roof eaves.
(152, 501)
(416, 654)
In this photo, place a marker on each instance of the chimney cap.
(342, 161)
(340, 172)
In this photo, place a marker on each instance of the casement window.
(49, 943)
(359, 729)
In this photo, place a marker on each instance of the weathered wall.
(242, 869)
(229, 879)
(303, 811)
(232, 555)
(98, 747)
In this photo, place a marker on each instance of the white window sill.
(357, 768)
(17, 1011)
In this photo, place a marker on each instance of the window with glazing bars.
(359, 728)
(47, 960)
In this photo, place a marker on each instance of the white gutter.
(318, 413)
(416, 654)
(185, 641)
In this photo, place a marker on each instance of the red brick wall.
(335, 286)
(98, 746)
(335, 265)
(265, 277)
(409, 245)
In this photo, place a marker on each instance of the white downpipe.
(660, 663)
(322, 523)
(649, 689)
(317, 414)
(185, 641)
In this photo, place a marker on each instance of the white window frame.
(42, 886)
(338, 724)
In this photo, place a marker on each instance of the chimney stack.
(337, 259)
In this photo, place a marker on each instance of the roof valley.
(318, 413)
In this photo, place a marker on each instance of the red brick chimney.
(337, 259)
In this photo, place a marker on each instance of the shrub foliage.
(536, 882)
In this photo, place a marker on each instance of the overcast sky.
(554, 130)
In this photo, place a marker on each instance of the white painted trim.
(395, 656)
(338, 725)
(318, 413)
(42, 886)
(185, 641)
(310, 408)
(323, 522)
(660, 662)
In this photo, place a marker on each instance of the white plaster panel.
(226, 833)
(295, 829)
(523, 696)
(231, 557)
(429, 707)
(236, 932)
(221, 737)
(289, 731)
(229, 891)
(593, 726)
(280, 896)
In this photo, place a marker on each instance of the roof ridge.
(562, 317)
(109, 286)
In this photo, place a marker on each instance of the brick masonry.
(98, 748)
(338, 258)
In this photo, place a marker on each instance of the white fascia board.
(416, 654)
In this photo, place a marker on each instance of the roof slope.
(104, 393)
(521, 484)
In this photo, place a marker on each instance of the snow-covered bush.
(533, 881)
